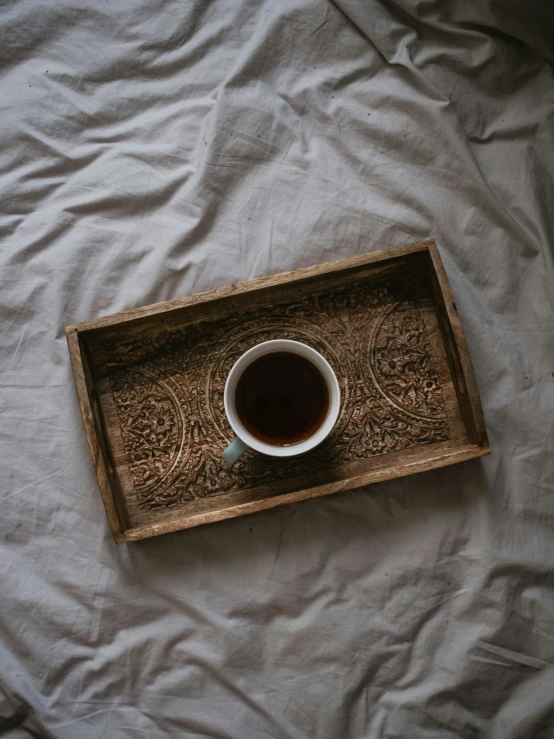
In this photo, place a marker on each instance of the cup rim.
(290, 450)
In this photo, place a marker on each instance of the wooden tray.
(150, 386)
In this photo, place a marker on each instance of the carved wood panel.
(167, 389)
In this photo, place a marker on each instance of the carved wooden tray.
(150, 386)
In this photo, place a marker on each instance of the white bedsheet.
(151, 150)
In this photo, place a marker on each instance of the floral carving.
(168, 390)
(149, 423)
(403, 364)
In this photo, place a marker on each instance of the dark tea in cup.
(282, 398)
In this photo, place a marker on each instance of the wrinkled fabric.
(151, 150)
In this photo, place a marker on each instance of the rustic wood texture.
(152, 399)
(107, 480)
(170, 308)
(458, 352)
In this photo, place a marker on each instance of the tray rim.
(134, 314)
(438, 455)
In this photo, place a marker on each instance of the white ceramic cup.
(244, 439)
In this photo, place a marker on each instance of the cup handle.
(234, 450)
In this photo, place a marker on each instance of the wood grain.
(458, 352)
(295, 277)
(411, 463)
(107, 481)
(150, 384)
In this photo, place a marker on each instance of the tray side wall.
(138, 316)
(95, 436)
(457, 352)
(422, 462)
